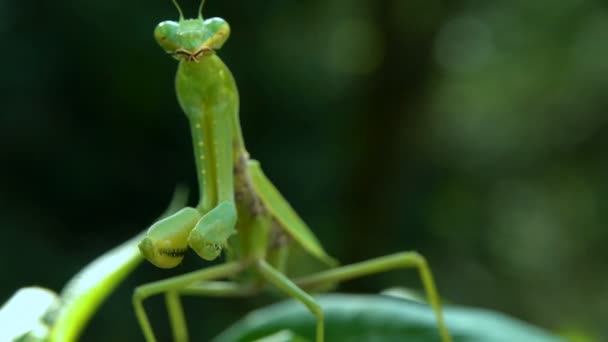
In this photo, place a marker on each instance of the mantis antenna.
(179, 10)
(200, 9)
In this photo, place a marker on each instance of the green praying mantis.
(240, 213)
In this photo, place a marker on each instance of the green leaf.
(351, 318)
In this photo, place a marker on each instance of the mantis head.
(192, 39)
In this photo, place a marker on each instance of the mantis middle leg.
(279, 280)
(202, 288)
(171, 287)
(383, 264)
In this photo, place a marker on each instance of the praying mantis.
(240, 212)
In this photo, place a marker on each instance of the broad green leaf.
(352, 318)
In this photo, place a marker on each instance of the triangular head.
(191, 39)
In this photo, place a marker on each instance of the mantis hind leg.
(279, 280)
(171, 287)
(383, 264)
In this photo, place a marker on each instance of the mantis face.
(191, 39)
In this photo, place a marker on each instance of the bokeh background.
(474, 132)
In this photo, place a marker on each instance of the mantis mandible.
(240, 211)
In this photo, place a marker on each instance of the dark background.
(473, 132)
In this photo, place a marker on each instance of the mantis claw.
(210, 234)
(165, 243)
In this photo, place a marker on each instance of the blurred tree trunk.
(384, 127)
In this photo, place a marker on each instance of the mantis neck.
(208, 96)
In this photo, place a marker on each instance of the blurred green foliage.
(472, 131)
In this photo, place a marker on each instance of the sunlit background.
(473, 132)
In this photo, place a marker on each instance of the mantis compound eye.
(166, 36)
